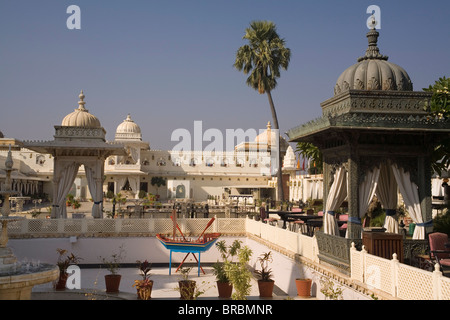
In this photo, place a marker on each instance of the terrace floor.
(164, 287)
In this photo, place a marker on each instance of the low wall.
(120, 227)
(295, 255)
(91, 249)
(398, 279)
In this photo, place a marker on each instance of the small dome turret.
(128, 129)
(373, 72)
(270, 137)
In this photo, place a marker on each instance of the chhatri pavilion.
(376, 138)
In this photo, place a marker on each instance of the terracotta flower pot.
(112, 282)
(303, 287)
(225, 289)
(265, 288)
(187, 289)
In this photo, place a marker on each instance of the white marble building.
(196, 175)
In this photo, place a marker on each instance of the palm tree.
(262, 58)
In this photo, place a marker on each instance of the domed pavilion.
(375, 136)
(79, 140)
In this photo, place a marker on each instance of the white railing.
(60, 227)
(398, 279)
(294, 242)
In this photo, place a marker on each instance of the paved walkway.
(164, 287)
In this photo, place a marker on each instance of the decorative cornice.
(309, 128)
(391, 121)
(399, 110)
(66, 132)
(377, 102)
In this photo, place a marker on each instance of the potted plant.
(186, 286)
(64, 261)
(265, 281)
(112, 280)
(224, 285)
(69, 200)
(145, 285)
(329, 291)
(239, 274)
(76, 204)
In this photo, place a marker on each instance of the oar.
(178, 228)
(207, 226)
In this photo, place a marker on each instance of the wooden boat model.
(187, 245)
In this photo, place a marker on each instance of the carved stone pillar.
(354, 222)
(55, 212)
(353, 166)
(424, 185)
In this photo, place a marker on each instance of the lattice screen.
(378, 273)
(414, 284)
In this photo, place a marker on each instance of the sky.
(170, 63)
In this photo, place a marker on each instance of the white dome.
(373, 72)
(128, 129)
(289, 158)
(263, 138)
(81, 117)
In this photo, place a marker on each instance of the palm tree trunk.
(280, 193)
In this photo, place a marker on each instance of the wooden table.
(291, 216)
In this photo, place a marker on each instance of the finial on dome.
(269, 125)
(128, 118)
(372, 51)
(373, 23)
(81, 103)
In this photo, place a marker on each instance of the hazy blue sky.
(169, 63)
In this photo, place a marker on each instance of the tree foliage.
(263, 56)
(439, 106)
(312, 153)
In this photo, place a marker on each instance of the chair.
(262, 213)
(343, 225)
(439, 252)
(300, 226)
